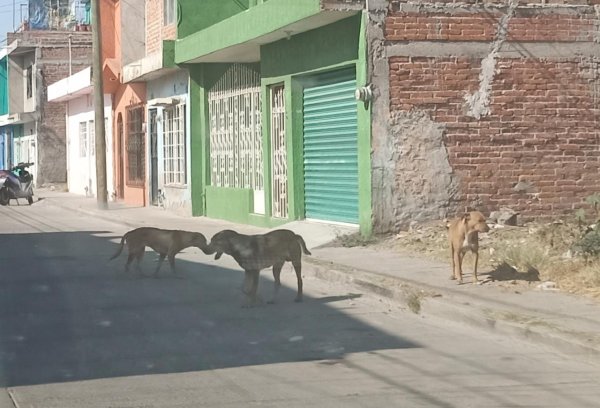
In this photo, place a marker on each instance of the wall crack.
(478, 103)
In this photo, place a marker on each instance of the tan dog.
(463, 234)
(256, 252)
(167, 243)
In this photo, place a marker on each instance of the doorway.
(120, 159)
(153, 158)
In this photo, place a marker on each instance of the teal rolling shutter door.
(330, 149)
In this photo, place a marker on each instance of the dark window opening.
(136, 146)
(30, 81)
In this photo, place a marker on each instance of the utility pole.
(101, 191)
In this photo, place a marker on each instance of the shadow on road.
(67, 314)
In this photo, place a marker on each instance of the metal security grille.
(135, 145)
(82, 139)
(92, 138)
(174, 145)
(278, 147)
(331, 148)
(235, 130)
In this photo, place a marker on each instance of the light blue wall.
(174, 85)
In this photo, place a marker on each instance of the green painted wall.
(202, 78)
(365, 206)
(3, 86)
(240, 28)
(328, 46)
(168, 51)
(337, 46)
(198, 152)
(200, 15)
(290, 62)
(233, 204)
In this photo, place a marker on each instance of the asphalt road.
(75, 331)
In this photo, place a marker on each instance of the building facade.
(5, 131)
(168, 160)
(76, 92)
(483, 104)
(277, 134)
(122, 20)
(36, 59)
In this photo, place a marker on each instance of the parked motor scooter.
(16, 183)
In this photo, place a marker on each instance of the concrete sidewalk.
(569, 323)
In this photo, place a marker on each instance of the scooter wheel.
(4, 197)
(30, 200)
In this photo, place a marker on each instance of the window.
(83, 136)
(92, 138)
(174, 145)
(135, 145)
(279, 153)
(236, 157)
(29, 79)
(170, 11)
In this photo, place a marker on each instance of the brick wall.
(156, 31)
(52, 63)
(509, 90)
(484, 26)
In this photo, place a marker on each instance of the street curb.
(435, 302)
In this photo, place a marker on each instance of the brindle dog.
(256, 252)
(167, 243)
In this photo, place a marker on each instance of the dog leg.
(475, 279)
(452, 253)
(172, 263)
(298, 269)
(460, 256)
(129, 260)
(456, 265)
(277, 281)
(161, 258)
(252, 278)
(138, 259)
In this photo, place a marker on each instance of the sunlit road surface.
(75, 331)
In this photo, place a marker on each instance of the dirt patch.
(515, 258)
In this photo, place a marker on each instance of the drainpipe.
(70, 56)
(368, 40)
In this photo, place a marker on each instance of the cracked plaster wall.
(414, 174)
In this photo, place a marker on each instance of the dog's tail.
(303, 244)
(120, 247)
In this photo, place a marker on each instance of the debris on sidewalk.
(511, 257)
(548, 285)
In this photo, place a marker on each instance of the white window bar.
(279, 154)
(174, 145)
(83, 139)
(92, 137)
(235, 130)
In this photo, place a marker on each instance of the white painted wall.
(81, 171)
(176, 198)
(25, 148)
(30, 102)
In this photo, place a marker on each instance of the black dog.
(256, 252)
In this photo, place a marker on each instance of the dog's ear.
(218, 255)
(466, 216)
